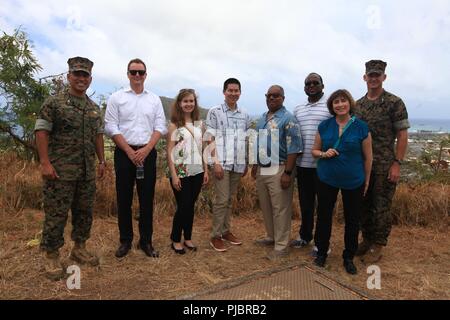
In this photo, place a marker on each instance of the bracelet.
(321, 154)
(101, 162)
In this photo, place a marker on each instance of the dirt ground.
(416, 264)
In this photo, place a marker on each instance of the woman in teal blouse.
(344, 147)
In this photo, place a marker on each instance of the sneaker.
(320, 261)
(231, 238)
(277, 254)
(265, 242)
(315, 250)
(217, 244)
(299, 243)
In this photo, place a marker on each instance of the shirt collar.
(128, 89)
(225, 108)
(323, 99)
(278, 114)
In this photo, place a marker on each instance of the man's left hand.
(101, 171)
(285, 181)
(394, 173)
(141, 154)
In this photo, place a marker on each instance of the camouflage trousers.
(376, 218)
(59, 197)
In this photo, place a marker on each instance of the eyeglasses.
(81, 74)
(135, 72)
(312, 83)
(273, 95)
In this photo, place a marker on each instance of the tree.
(21, 95)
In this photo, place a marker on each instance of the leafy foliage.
(21, 95)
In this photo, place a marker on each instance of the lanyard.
(352, 119)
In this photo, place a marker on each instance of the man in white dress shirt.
(135, 121)
(309, 115)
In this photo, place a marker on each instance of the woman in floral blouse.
(188, 171)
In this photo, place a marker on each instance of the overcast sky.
(199, 43)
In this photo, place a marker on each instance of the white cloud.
(201, 43)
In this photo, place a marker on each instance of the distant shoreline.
(430, 126)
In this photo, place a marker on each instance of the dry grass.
(416, 263)
(415, 266)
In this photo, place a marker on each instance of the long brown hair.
(177, 114)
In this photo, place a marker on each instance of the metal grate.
(296, 284)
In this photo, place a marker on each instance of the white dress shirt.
(134, 116)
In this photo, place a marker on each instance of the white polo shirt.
(310, 115)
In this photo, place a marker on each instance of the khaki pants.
(276, 205)
(224, 190)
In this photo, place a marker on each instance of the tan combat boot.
(53, 267)
(374, 254)
(81, 255)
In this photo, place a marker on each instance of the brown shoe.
(374, 254)
(217, 244)
(81, 255)
(231, 238)
(53, 267)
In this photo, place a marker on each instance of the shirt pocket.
(127, 111)
(350, 144)
(69, 119)
(148, 114)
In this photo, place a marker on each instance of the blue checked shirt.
(229, 128)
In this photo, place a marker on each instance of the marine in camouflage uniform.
(69, 132)
(387, 118)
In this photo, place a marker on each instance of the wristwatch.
(400, 162)
(288, 172)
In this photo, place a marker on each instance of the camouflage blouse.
(385, 116)
(73, 124)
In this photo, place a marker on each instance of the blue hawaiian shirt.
(282, 131)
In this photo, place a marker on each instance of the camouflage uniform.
(385, 117)
(73, 124)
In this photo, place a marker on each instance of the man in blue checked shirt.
(227, 125)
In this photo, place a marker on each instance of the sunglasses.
(135, 72)
(81, 74)
(273, 95)
(312, 83)
(187, 90)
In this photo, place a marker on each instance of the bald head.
(275, 97)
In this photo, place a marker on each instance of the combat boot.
(53, 267)
(363, 248)
(374, 254)
(81, 255)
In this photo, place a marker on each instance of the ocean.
(430, 125)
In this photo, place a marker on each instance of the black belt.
(136, 147)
